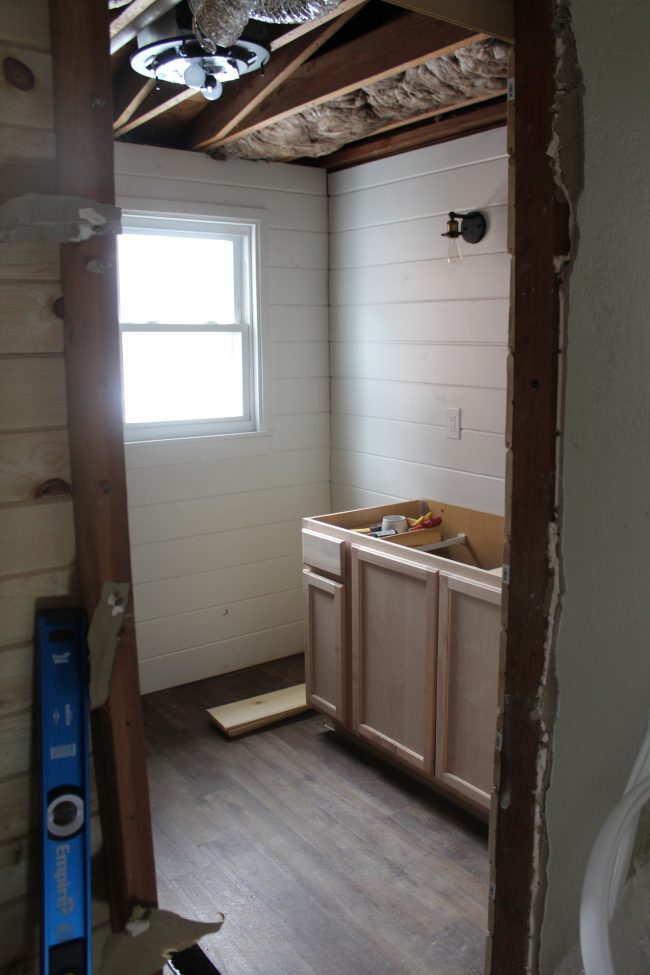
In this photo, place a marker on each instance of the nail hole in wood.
(58, 308)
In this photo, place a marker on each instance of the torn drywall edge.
(103, 638)
(150, 937)
(39, 218)
(565, 153)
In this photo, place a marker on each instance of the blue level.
(61, 662)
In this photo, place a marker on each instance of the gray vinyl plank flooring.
(324, 860)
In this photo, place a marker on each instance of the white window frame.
(247, 229)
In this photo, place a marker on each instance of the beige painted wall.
(603, 645)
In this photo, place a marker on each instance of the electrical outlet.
(452, 424)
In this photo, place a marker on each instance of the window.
(188, 320)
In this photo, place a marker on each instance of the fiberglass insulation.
(471, 72)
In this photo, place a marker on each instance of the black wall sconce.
(472, 229)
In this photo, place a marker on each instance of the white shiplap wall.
(413, 335)
(215, 522)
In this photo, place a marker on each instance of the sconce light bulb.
(454, 253)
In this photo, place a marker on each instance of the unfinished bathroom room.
(280, 372)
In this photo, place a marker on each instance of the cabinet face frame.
(335, 591)
(360, 557)
(449, 584)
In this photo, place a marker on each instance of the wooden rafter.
(494, 17)
(294, 33)
(240, 99)
(441, 110)
(133, 18)
(130, 90)
(416, 136)
(383, 52)
(159, 101)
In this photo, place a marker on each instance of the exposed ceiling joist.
(129, 92)
(240, 100)
(494, 17)
(379, 54)
(416, 137)
(158, 102)
(133, 18)
(489, 95)
(295, 32)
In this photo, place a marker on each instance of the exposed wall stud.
(81, 63)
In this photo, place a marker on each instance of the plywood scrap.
(257, 712)
(151, 936)
(37, 217)
(103, 638)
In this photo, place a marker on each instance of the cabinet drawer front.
(323, 552)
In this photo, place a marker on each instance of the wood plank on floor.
(322, 858)
(252, 713)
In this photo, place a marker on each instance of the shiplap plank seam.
(419, 463)
(469, 148)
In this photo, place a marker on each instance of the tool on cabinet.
(61, 665)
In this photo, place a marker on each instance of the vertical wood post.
(541, 231)
(84, 141)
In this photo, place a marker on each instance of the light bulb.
(194, 76)
(212, 88)
(454, 253)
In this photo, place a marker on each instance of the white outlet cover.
(452, 423)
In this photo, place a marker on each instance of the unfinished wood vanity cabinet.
(325, 644)
(394, 616)
(401, 646)
(467, 685)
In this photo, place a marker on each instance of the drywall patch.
(150, 937)
(103, 638)
(39, 218)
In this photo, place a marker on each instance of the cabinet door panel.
(393, 654)
(468, 677)
(325, 644)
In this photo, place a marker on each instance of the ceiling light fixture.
(472, 229)
(167, 52)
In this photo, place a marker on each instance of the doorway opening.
(540, 230)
